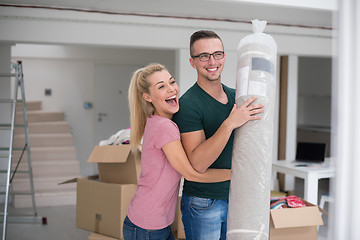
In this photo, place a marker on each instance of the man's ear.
(147, 97)
(191, 60)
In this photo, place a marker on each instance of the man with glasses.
(206, 119)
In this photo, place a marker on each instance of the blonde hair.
(140, 109)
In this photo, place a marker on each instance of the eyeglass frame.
(210, 54)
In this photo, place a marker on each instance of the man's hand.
(246, 112)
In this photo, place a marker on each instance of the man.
(206, 120)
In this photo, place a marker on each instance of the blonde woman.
(153, 99)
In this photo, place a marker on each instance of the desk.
(310, 173)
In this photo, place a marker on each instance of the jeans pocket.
(201, 203)
(164, 233)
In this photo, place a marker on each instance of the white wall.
(67, 27)
(75, 42)
(70, 72)
(71, 82)
(345, 220)
(5, 108)
(314, 92)
(5, 84)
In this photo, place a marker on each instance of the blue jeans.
(203, 218)
(133, 232)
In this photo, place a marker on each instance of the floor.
(323, 230)
(61, 226)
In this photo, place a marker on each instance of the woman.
(153, 99)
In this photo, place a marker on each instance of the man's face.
(209, 70)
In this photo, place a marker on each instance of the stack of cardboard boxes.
(102, 202)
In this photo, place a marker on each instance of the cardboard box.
(116, 163)
(102, 207)
(96, 236)
(295, 223)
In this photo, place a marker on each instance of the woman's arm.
(177, 157)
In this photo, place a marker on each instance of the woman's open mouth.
(172, 101)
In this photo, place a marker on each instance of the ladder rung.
(8, 125)
(27, 214)
(17, 193)
(18, 171)
(9, 100)
(7, 149)
(7, 75)
(24, 219)
(5, 125)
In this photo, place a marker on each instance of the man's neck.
(214, 89)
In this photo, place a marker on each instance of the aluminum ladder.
(7, 153)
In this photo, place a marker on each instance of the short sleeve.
(168, 132)
(188, 118)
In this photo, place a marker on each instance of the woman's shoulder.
(162, 122)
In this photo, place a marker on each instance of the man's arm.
(203, 152)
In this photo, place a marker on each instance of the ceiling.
(222, 10)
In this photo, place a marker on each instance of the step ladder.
(7, 153)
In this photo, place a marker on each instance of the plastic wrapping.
(249, 200)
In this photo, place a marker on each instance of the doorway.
(111, 98)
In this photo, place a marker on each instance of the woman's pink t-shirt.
(154, 203)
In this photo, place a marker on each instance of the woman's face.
(163, 93)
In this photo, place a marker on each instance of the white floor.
(60, 226)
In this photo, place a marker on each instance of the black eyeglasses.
(204, 57)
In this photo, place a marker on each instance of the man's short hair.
(202, 34)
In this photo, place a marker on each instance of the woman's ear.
(147, 97)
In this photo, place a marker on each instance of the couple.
(194, 141)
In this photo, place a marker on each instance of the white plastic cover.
(118, 138)
(249, 200)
